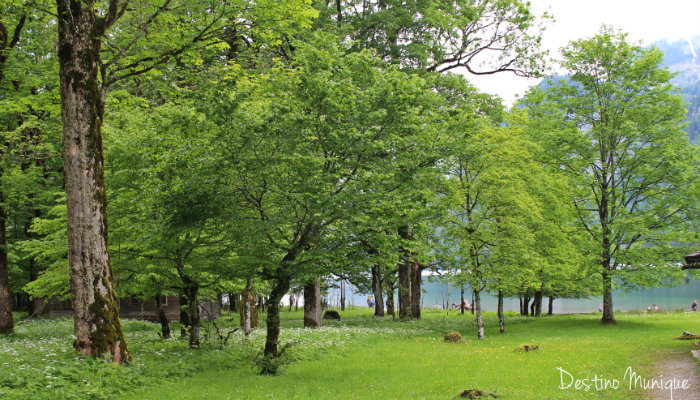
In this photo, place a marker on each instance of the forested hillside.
(681, 56)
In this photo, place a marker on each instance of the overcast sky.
(645, 20)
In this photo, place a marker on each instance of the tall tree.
(95, 303)
(636, 173)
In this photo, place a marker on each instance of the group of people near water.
(654, 307)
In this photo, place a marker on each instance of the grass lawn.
(359, 357)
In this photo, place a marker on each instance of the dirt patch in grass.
(678, 364)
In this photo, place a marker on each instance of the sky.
(645, 20)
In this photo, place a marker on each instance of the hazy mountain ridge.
(683, 57)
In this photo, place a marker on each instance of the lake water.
(678, 297)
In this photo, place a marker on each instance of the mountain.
(683, 57)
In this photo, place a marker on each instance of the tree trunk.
(377, 289)
(525, 305)
(390, 298)
(7, 323)
(279, 288)
(501, 318)
(312, 303)
(521, 304)
(184, 317)
(416, 280)
(404, 269)
(532, 308)
(538, 303)
(164, 324)
(233, 301)
(473, 303)
(342, 295)
(193, 309)
(551, 305)
(248, 309)
(479, 318)
(38, 307)
(95, 303)
(608, 317)
(405, 290)
(461, 299)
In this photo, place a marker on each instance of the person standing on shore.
(694, 306)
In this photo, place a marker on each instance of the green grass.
(360, 357)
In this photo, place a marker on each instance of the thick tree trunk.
(532, 308)
(404, 271)
(479, 318)
(192, 294)
(390, 298)
(184, 317)
(312, 304)
(248, 309)
(164, 324)
(405, 290)
(608, 317)
(233, 300)
(521, 304)
(416, 280)
(7, 323)
(342, 295)
(551, 306)
(279, 288)
(525, 305)
(501, 318)
(538, 303)
(377, 289)
(38, 307)
(95, 303)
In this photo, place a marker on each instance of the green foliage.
(616, 129)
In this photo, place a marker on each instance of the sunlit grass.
(359, 357)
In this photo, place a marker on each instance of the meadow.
(359, 357)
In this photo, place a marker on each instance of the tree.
(622, 144)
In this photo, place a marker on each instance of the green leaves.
(621, 121)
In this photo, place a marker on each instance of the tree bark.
(342, 295)
(390, 298)
(608, 317)
(404, 290)
(551, 306)
(538, 303)
(95, 303)
(38, 307)
(461, 299)
(404, 269)
(377, 289)
(184, 317)
(525, 305)
(532, 308)
(248, 309)
(416, 280)
(192, 294)
(312, 303)
(233, 302)
(479, 318)
(162, 318)
(473, 302)
(7, 323)
(279, 288)
(501, 318)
